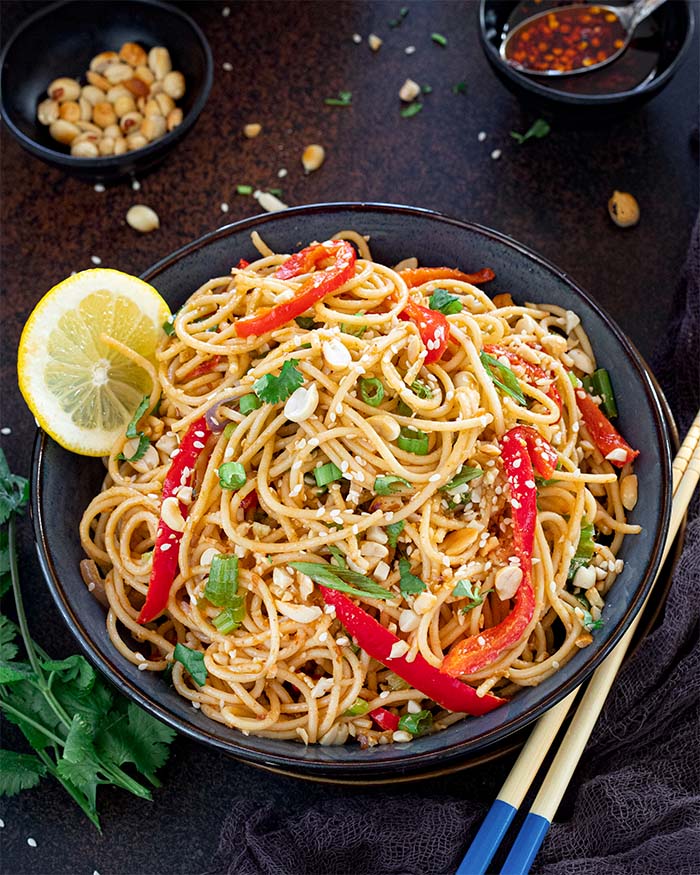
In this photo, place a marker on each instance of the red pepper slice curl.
(165, 551)
(320, 284)
(378, 641)
(205, 367)
(532, 372)
(520, 447)
(419, 275)
(242, 264)
(603, 433)
(433, 327)
(385, 719)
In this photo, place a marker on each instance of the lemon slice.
(82, 391)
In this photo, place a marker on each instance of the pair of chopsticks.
(686, 474)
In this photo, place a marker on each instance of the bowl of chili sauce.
(647, 65)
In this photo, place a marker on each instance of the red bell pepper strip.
(165, 551)
(433, 327)
(242, 264)
(250, 502)
(205, 367)
(320, 284)
(532, 372)
(519, 448)
(385, 719)
(378, 641)
(419, 275)
(603, 433)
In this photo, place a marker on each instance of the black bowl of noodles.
(395, 233)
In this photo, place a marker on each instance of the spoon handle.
(638, 11)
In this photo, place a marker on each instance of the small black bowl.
(61, 39)
(669, 29)
(394, 233)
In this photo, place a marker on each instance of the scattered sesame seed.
(135, 184)
(2, 823)
(481, 136)
(224, 207)
(434, 478)
(357, 39)
(95, 259)
(31, 842)
(342, 641)
(282, 172)
(6, 430)
(142, 666)
(99, 188)
(410, 50)
(196, 706)
(226, 11)
(227, 66)
(496, 154)
(384, 695)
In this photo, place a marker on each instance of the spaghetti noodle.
(356, 437)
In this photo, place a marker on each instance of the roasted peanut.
(112, 131)
(85, 109)
(174, 84)
(100, 62)
(629, 488)
(69, 110)
(153, 127)
(159, 61)
(174, 118)
(123, 105)
(120, 146)
(117, 91)
(47, 111)
(165, 103)
(136, 141)
(85, 127)
(63, 131)
(106, 146)
(133, 54)
(103, 114)
(144, 73)
(130, 122)
(117, 73)
(137, 87)
(84, 149)
(150, 107)
(63, 89)
(98, 80)
(142, 218)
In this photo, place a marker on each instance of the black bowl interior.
(672, 22)
(395, 232)
(62, 39)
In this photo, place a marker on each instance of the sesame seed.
(481, 136)
(196, 706)
(199, 434)
(99, 188)
(342, 641)
(410, 50)
(135, 185)
(227, 66)
(323, 636)
(5, 430)
(142, 666)
(31, 842)
(434, 478)
(198, 445)
(226, 11)
(2, 823)
(496, 154)
(95, 259)
(224, 207)
(165, 547)
(357, 39)
(384, 695)
(282, 172)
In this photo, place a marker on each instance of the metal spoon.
(629, 17)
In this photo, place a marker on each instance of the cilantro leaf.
(459, 88)
(584, 549)
(132, 432)
(538, 129)
(14, 491)
(8, 630)
(411, 110)
(509, 384)
(12, 672)
(467, 589)
(75, 668)
(19, 771)
(193, 661)
(393, 530)
(464, 476)
(446, 303)
(409, 584)
(5, 579)
(272, 389)
(137, 738)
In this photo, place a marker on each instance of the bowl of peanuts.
(104, 90)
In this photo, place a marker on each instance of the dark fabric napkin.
(636, 793)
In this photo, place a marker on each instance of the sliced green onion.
(248, 403)
(509, 384)
(574, 380)
(584, 550)
(403, 409)
(306, 323)
(357, 709)
(229, 430)
(372, 391)
(327, 473)
(355, 330)
(417, 724)
(169, 327)
(413, 441)
(421, 389)
(394, 682)
(222, 584)
(390, 484)
(602, 387)
(244, 189)
(439, 39)
(232, 475)
(230, 618)
(464, 476)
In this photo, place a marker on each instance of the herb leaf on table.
(81, 735)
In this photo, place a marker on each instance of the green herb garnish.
(439, 39)
(132, 432)
(411, 110)
(466, 589)
(232, 475)
(248, 403)
(344, 98)
(464, 476)
(537, 130)
(412, 440)
(446, 303)
(390, 484)
(222, 586)
(584, 550)
(417, 724)
(409, 584)
(244, 189)
(273, 389)
(421, 389)
(357, 709)
(393, 530)
(509, 384)
(343, 579)
(327, 473)
(193, 662)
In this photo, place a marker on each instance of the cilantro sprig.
(133, 432)
(409, 584)
(81, 735)
(272, 389)
(467, 589)
(537, 130)
(344, 98)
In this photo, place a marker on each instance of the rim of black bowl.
(529, 84)
(113, 162)
(378, 766)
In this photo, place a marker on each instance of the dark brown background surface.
(551, 194)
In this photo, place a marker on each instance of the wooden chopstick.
(526, 767)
